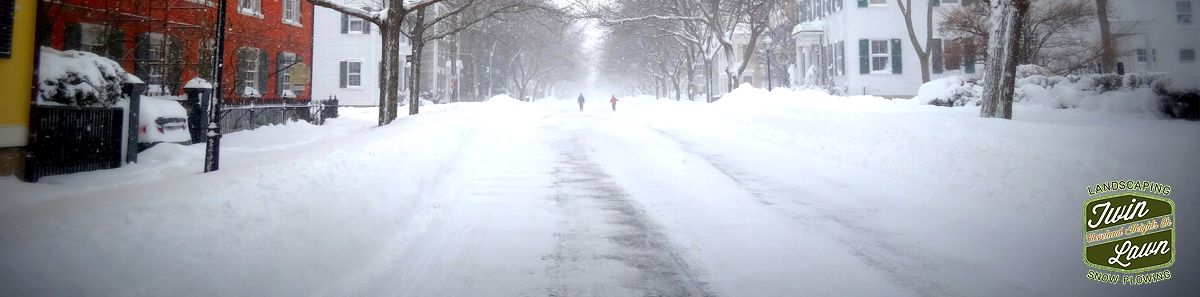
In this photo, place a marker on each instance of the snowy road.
(517, 199)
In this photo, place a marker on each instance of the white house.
(1160, 36)
(863, 46)
(346, 56)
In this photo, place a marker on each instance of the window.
(91, 38)
(354, 74)
(150, 57)
(155, 57)
(949, 1)
(351, 74)
(878, 2)
(251, 7)
(356, 25)
(207, 52)
(1141, 54)
(880, 56)
(284, 78)
(291, 12)
(249, 71)
(1183, 13)
(1187, 55)
(253, 72)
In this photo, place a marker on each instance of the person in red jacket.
(614, 102)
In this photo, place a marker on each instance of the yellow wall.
(16, 75)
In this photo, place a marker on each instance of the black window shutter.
(74, 37)
(174, 69)
(864, 56)
(935, 50)
(342, 77)
(842, 56)
(345, 23)
(115, 45)
(862, 3)
(264, 71)
(7, 19)
(141, 68)
(968, 49)
(897, 53)
(366, 27)
(281, 61)
(239, 86)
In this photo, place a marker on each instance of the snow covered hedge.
(78, 78)
(1132, 93)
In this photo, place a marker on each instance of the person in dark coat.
(614, 102)
(580, 101)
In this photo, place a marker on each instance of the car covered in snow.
(162, 120)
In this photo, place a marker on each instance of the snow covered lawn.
(759, 194)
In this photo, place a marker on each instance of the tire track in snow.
(904, 269)
(627, 237)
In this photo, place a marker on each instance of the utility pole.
(212, 151)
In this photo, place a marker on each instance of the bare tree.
(1003, 48)
(1108, 54)
(906, 9)
(1050, 36)
(389, 16)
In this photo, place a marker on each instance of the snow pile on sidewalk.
(280, 221)
(1038, 162)
(1110, 93)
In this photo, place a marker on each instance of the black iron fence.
(74, 139)
(257, 112)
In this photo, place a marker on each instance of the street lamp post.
(767, 43)
(212, 154)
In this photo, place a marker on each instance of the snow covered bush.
(1179, 104)
(1090, 92)
(1107, 83)
(951, 91)
(1143, 80)
(79, 78)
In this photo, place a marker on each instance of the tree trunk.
(922, 51)
(998, 86)
(708, 80)
(691, 73)
(1108, 55)
(391, 60)
(418, 45)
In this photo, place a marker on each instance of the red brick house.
(168, 42)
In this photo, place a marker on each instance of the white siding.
(330, 47)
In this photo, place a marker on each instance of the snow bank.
(292, 221)
(1052, 154)
(1035, 167)
(502, 98)
(1108, 93)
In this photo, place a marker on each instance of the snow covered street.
(750, 196)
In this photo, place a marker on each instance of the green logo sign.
(1129, 233)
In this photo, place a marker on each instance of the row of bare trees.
(425, 21)
(656, 45)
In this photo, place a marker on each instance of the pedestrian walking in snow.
(580, 101)
(614, 102)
